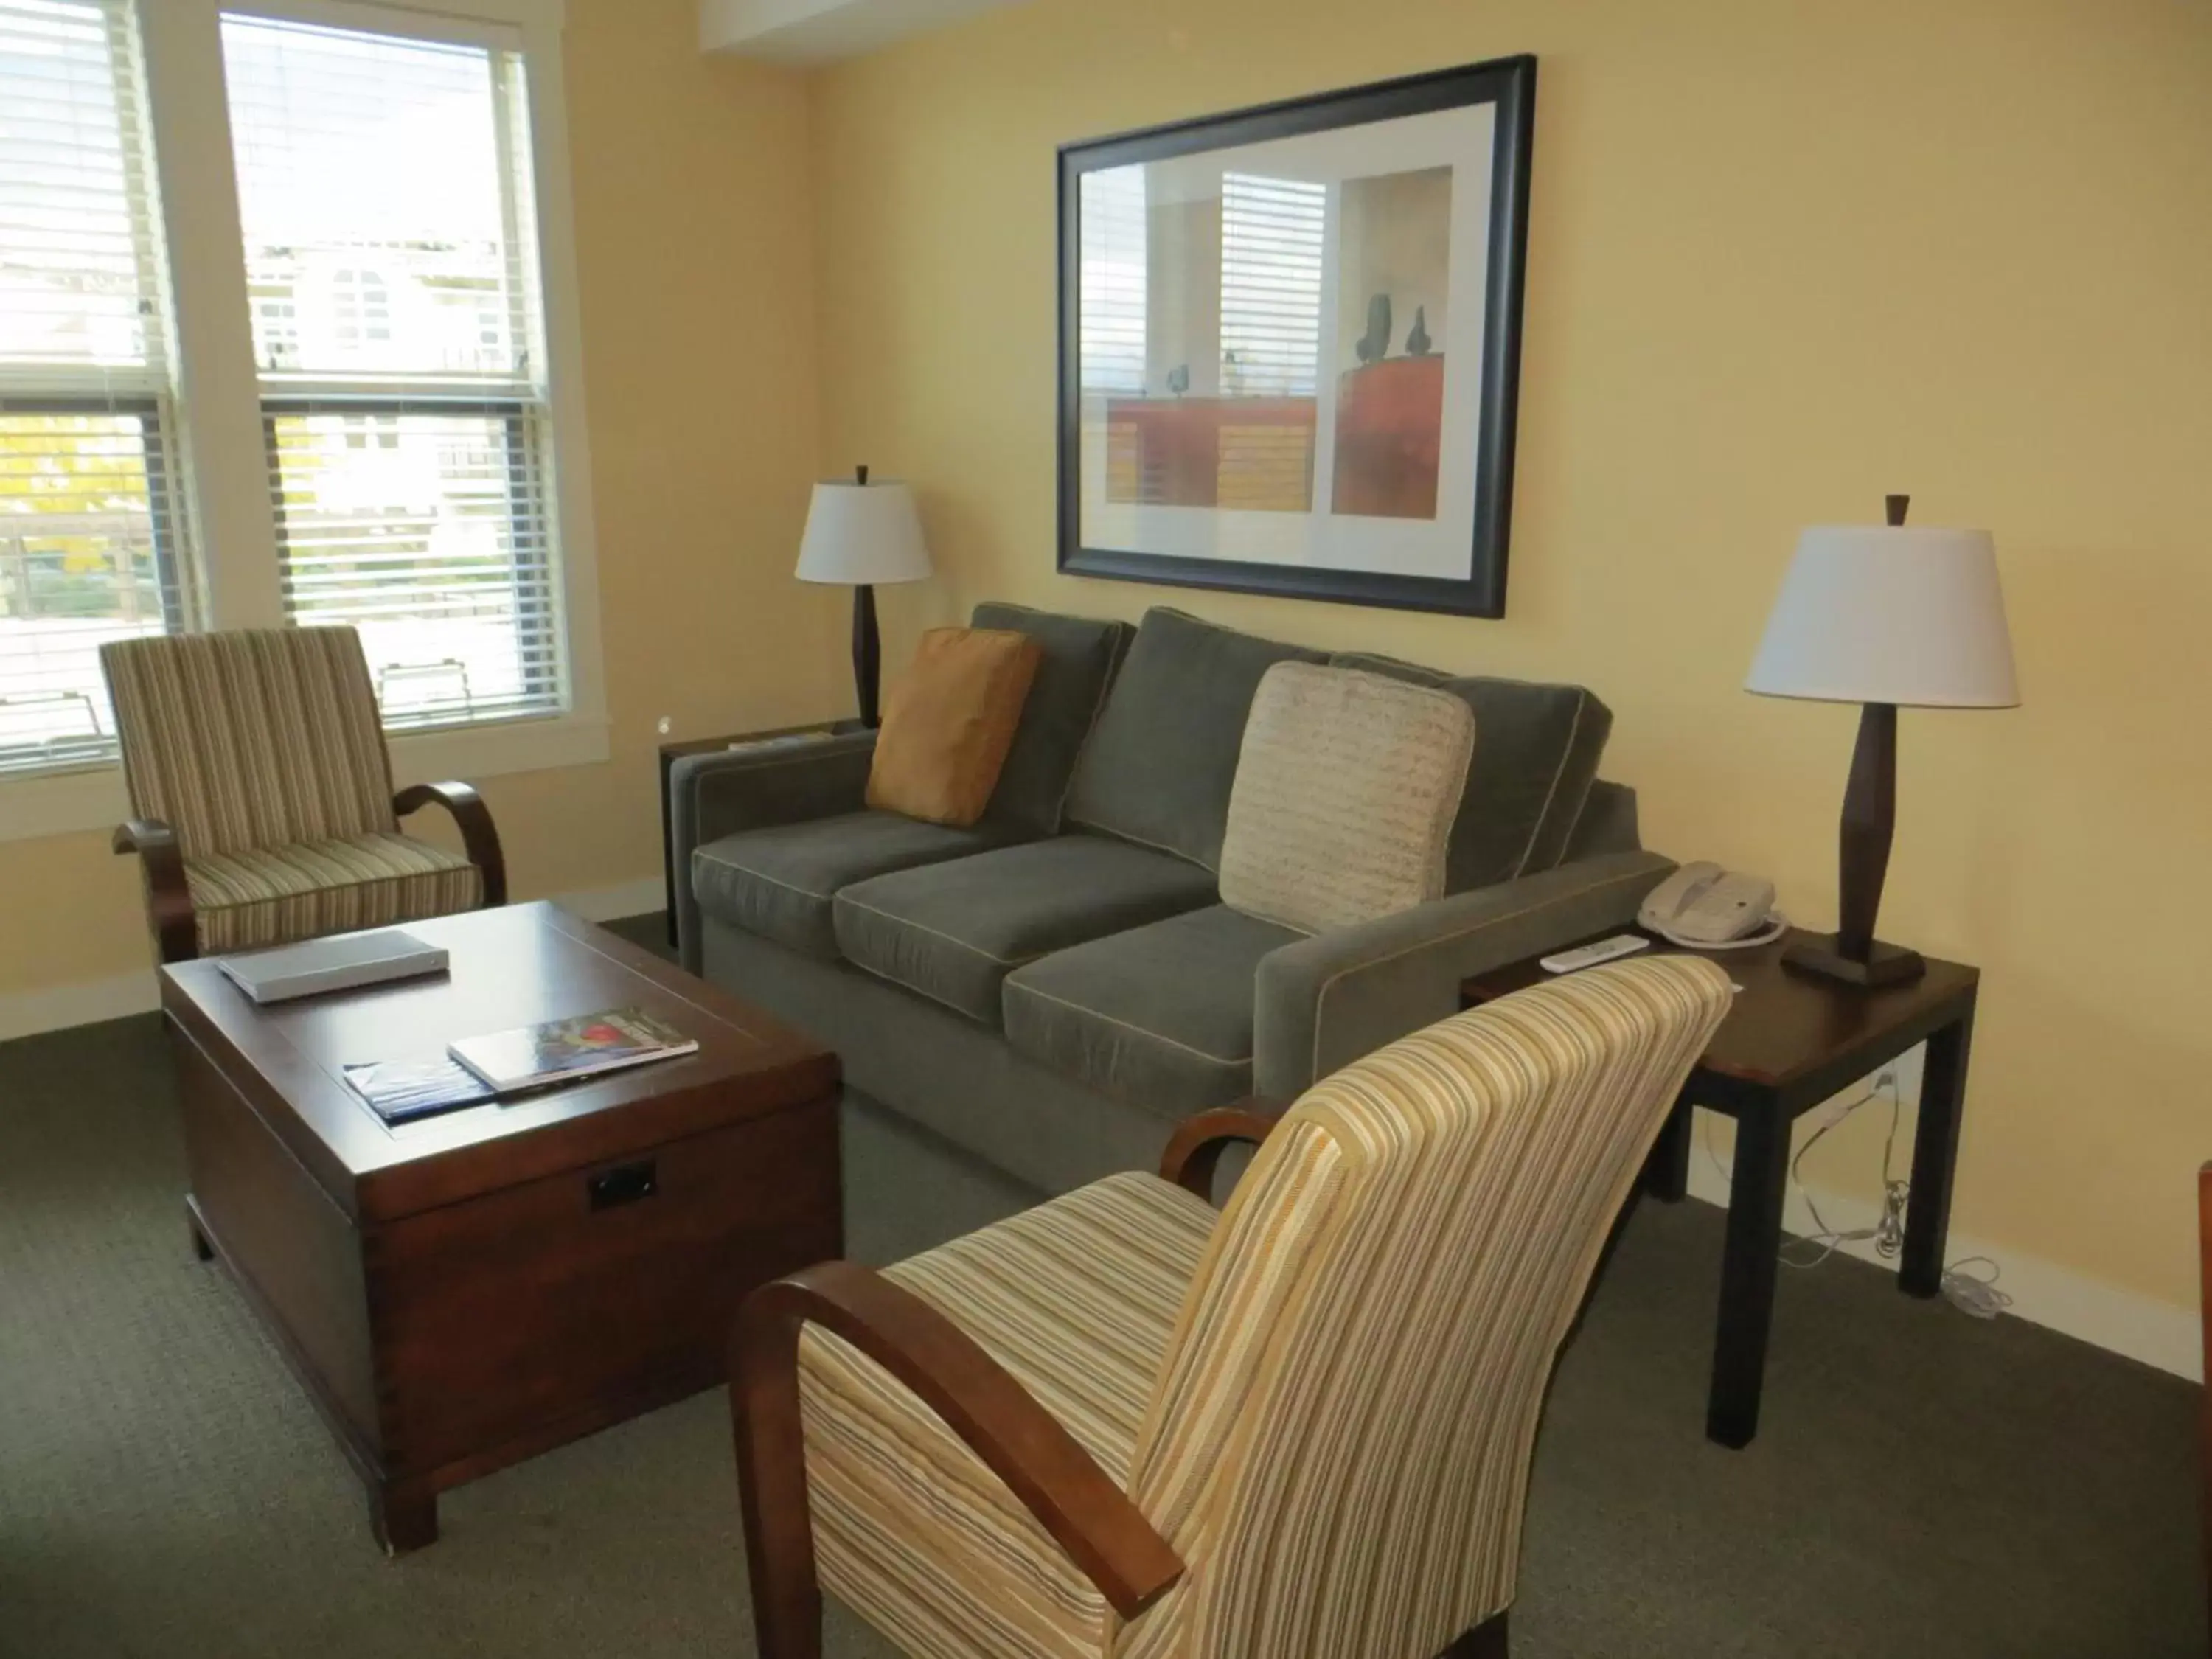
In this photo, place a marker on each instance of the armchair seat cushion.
(252, 897)
(1160, 1016)
(777, 881)
(953, 931)
(1077, 1299)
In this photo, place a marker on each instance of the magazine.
(401, 1091)
(533, 1055)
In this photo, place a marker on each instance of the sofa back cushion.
(1536, 751)
(1080, 656)
(1344, 796)
(1159, 767)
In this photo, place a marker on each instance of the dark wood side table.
(1793, 1041)
(672, 752)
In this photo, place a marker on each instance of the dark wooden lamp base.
(1883, 965)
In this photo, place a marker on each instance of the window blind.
(92, 546)
(1112, 295)
(391, 251)
(1271, 236)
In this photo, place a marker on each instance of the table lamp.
(863, 533)
(1884, 617)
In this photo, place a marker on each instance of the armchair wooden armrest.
(479, 836)
(168, 898)
(1196, 1147)
(1103, 1531)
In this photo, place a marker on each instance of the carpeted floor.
(1925, 1486)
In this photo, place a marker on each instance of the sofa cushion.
(953, 931)
(1536, 751)
(1080, 655)
(950, 721)
(1160, 1015)
(777, 881)
(1158, 768)
(1346, 791)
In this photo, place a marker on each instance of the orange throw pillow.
(950, 721)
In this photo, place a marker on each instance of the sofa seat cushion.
(1160, 1016)
(1078, 1300)
(777, 881)
(265, 895)
(953, 931)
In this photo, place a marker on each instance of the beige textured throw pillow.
(1346, 791)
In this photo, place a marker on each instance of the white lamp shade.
(858, 532)
(1898, 616)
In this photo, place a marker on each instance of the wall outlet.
(664, 725)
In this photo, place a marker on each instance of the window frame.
(216, 426)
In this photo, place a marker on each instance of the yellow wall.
(696, 267)
(1783, 258)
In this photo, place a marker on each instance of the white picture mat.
(1462, 139)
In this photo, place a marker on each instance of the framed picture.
(1290, 343)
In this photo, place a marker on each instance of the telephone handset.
(1703, 907)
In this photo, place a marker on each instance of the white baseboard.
(27, 1013)
(2121, 1321)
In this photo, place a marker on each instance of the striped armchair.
(261, 795)
(1121, 1425)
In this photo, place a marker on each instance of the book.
(346, 963)
(401, 1091)
(529, 1056)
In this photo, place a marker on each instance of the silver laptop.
(344, 963)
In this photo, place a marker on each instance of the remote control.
(1588, 955)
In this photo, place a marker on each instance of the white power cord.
(1972, 1294)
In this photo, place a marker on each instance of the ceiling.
(822, 31)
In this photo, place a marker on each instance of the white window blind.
(92, 546)
(1272, 232)
(391, 252)
(1112, 295)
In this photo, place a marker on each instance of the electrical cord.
(1972, 1294)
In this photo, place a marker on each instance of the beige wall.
(696, 266)
(1783, 258)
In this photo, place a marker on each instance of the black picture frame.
(1510, 83)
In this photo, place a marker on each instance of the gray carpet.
(1925, 1485)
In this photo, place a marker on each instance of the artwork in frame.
(1290, 343)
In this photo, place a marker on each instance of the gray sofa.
(1050, 990)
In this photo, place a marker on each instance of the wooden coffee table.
(462, 1293)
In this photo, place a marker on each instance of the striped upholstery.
(1338, 1429)
(304, 890)
(264, 751)
(251, 739)
(1076, 1298)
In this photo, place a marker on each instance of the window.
(1271, 238)
(1112, 298)
(92, 547)
(391, 252)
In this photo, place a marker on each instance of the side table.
(672, 752)
(1792, 1042)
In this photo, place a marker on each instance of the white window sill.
(66, 803)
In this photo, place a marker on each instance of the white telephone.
(1703, 907)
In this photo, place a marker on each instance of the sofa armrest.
(785, 780)
(1323, 1002)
